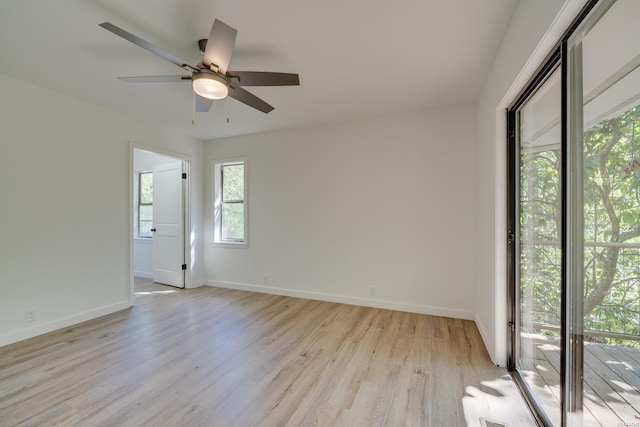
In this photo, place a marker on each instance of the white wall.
(64, 187)
(334, 210)
(534, 29)
(143, 258)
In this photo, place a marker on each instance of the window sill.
(232, 245)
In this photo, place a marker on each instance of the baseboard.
(54, 325)
(196, 284)
(484, 334)
(343, 299)
(143, 274)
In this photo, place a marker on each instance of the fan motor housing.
(202, 45)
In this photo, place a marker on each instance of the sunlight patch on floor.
(154, 292)
(496, 399)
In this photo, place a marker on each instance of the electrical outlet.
(265, 279)
(372, 291)
(30, 315)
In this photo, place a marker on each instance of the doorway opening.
(159, 218)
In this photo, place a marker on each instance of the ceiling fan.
(211, 79)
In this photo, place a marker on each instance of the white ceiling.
(356, 58)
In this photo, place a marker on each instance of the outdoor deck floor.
(611, 381)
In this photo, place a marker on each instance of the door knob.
(153, 230)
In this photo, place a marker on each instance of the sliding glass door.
(538, 249)
(604, 139)
(574, 227)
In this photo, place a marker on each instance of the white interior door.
(168, 237)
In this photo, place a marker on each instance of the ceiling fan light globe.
(208, 86)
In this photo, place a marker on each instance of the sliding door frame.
(551, 63)
(571, 356)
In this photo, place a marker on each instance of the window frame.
(218, 203)
(140, 204)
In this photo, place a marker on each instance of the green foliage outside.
(145, 207)
(611, 231)
(233, 213)
(146, 187)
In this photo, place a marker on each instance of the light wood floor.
(217, 357)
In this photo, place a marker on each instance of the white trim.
(131, 205)
(551, 37)
(231, 245)
(54, 325)
(343, 299)
(484, 334)
(168, 153)
(143, 274)
(186, 223)
(197, 284)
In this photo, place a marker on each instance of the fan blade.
(155, 79)
(203, 105)
(250, 99)
(260, 78)
(147, 46)
(220, 46)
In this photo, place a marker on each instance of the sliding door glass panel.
(604, 86)
(539, 251)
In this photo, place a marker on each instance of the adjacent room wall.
(65, 207)
(535, 28)
(385, 203)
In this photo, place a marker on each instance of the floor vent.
(484, 422)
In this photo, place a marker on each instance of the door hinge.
(511, 237)
(512, 326)
(184, 266)
(184, 176)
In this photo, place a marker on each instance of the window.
(145, 204)
(230, 210)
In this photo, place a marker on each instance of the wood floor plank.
(212, 356)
